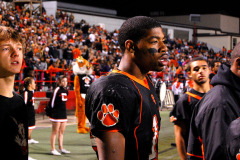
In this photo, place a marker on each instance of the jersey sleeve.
(181, 109)
(54, 96)
(194, 149)
(111, 110)
(212, 129)
(25, 97)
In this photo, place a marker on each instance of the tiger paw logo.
(238, 155)
(107, 115)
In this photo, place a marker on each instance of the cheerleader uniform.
(58, 104)
(29, 101)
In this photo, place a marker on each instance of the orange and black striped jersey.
(183, 109)
(121, 102)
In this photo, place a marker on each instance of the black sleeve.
(112, 109)
(181, 109)
(65, 53)
(194, 150)
(212, 128)
(233, 140)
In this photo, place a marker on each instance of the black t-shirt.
(85, 82)
(120, 102)
(14, 128)
(183, 110)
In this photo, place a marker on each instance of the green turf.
(80, 147)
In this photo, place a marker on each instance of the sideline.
(42, 121)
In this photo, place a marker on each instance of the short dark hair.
(195, 59)
(215, 61)
(135, 28)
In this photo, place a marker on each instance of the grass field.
(80, 147)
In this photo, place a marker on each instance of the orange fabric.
(111, 130)
(174, 62)
(71, 41)
(142, 82)
(202, 147)
(159, 74)
(80, 108)
(178, 84)
(193, 95)
(193, 155)
(140, 118)
(178, 71)
(36, 50)
(53, 70)
(190, 83)
(23, 64)
(76, 53)
(238, 156)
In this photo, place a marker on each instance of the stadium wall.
(106, 18)
(110, 24)
(216, 30)
(217, 42)
(50, 7)
(178, 32)
(221, 22)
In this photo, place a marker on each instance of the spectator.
(92, 37)
(39, 32)
(53, 52)
(85, 52)
(42, 64)
(76, 52)
(68, 54)
(53, 73)
(213, 115)
(214, 68)
(60, 50)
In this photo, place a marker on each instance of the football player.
(214, 113)
(123, 107)
(182, 111)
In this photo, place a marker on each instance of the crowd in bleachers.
(52, 43)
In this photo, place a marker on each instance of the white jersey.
(177, 88)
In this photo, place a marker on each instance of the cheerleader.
(27, 91)
(59, 115)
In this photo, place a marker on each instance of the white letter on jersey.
(153, 155)
(64, 96)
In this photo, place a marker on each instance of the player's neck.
(202, 88)
(30, 89)
(7, 84)
(127, 65)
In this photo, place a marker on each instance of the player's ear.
(209, 70)
(189, 73)
(235, 67)
(129, 45)
(238, 63)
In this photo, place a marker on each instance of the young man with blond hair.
(13, 112)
